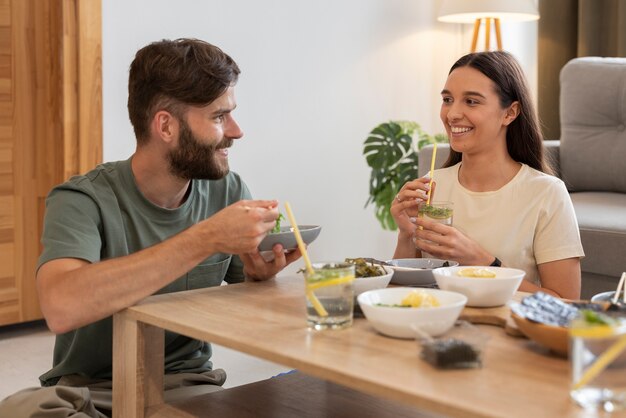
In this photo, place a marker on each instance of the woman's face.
(471, 112)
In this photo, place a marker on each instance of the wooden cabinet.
(50, 127)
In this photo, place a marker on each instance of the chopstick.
(296, 232)
(319, 308)
(619, 289)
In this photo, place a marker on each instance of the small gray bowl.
(287, 238)
(423, 273)
(605, 297)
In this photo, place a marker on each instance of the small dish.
(287, 238)
(363, 284)
(416, 271)
(603, 297)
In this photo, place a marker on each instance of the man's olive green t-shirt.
(103, 215)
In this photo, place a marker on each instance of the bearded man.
(172, 217)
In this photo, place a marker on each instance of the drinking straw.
(619, 289)
(309, 268)
(432, 172)
(600, 364)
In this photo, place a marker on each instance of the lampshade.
(467, 11)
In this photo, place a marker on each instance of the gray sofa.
(590, 158)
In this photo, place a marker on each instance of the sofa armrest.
(552, 149)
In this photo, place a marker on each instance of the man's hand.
(240, 227)
(257, 268)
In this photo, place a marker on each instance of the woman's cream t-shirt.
(528, 221)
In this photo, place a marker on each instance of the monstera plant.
(391, 152)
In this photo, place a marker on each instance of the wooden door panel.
(43, 76)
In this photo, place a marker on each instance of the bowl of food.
(285, 236)
(553, 337)
(393, 311)
(369, 275)
(545, 319)
(606, 297)
(416, 271)
(484, 286)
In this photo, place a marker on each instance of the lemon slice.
(476, 272)
(592, 332)
(419, 299)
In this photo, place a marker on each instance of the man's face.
(206, 133)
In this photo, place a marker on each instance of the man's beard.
(195, 160)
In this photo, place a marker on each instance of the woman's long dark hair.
(524, 140)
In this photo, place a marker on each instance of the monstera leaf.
(391, 152)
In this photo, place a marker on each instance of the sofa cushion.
(593, 124)
(602, 222)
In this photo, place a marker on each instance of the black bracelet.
(496, 263)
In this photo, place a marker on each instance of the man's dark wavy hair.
(171, 74)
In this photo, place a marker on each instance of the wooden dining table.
(268, 320)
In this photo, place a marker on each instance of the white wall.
(317, 76)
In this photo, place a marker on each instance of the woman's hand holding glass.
(448, 243)
(404, 206)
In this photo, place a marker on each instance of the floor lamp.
(491, 11)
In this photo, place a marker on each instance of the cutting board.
(499, 316)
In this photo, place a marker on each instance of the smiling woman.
(507, 204)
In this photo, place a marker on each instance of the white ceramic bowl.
(416, 271)
(363, 284)
(481, 292)
(396, 321)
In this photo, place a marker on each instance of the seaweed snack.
(450, 353)
(549, 310)
(460, 348)
(364, 269)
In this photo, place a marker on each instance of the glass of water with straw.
(328, 288)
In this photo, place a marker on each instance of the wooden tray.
(499, 316)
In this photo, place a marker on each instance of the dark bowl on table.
(422, 275)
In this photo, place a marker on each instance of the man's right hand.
(240, 227)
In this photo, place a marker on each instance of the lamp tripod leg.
(487, 33)
(475, 36)
(498, 35)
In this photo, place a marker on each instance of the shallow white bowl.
(481, 292)
(396, 321)
(415, 271)
(363, 284)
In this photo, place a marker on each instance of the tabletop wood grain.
(267, 320)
